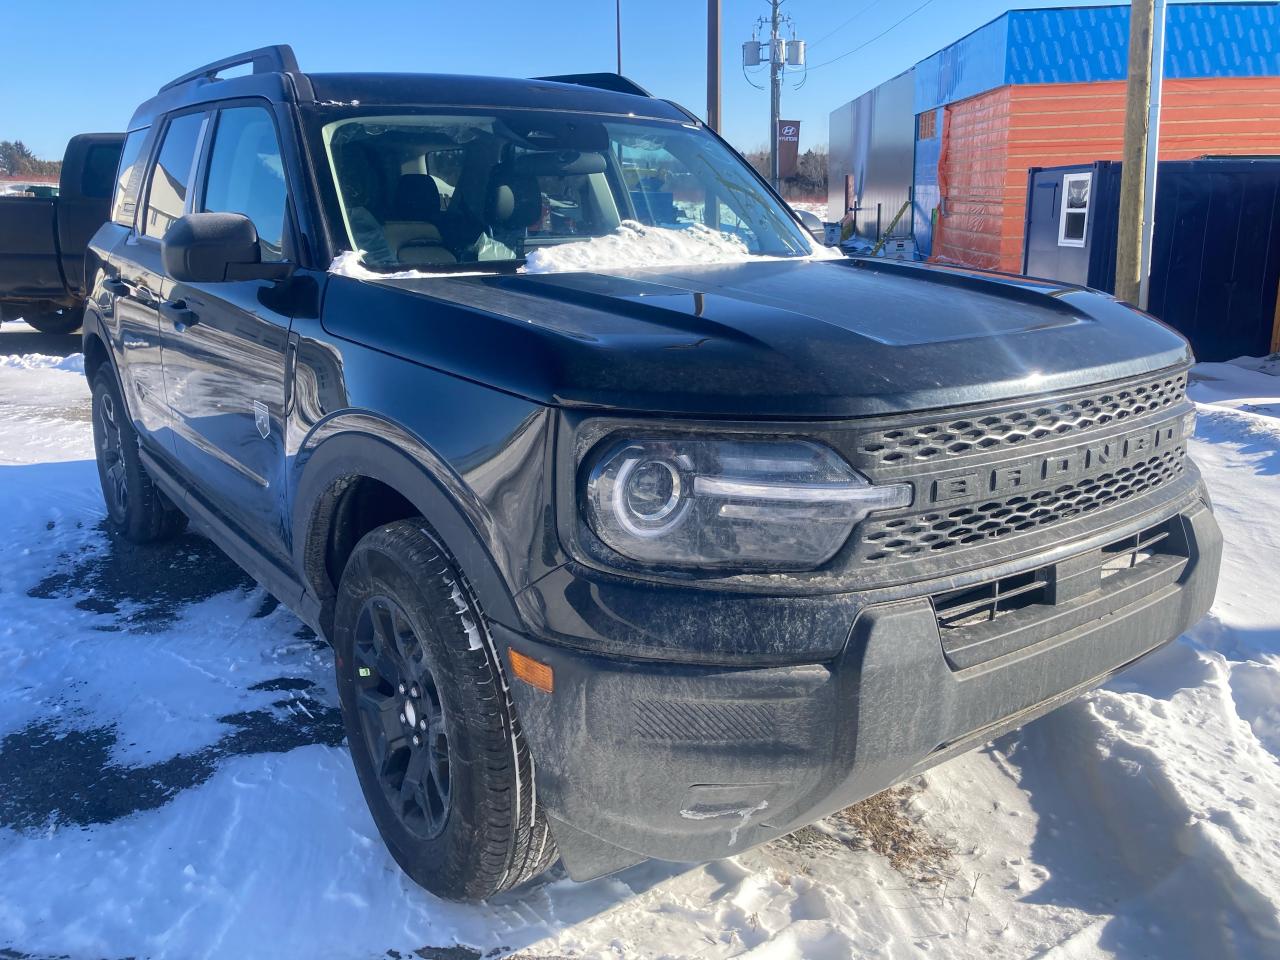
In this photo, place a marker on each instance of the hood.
(807, 338)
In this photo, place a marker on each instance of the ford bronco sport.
(639, 561)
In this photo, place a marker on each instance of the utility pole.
(782, 53)
(1129, 241)
(713, 65)
(777, 55)
(1153, 154)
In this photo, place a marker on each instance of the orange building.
(989, 142)
(1044, 88)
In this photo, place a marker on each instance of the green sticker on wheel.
(365, 671)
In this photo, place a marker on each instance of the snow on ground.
(816, 207)
(173, 784)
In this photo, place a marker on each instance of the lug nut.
(417, 740)
(413, 691)
(401, 689)
(422, 725)
(403, 718)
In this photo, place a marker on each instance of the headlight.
(775, 504)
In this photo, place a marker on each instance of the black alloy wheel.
(437, 747)
(135, 505)
(111, 466)
(402, 717)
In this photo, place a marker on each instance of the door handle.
(144, 294)
(115, 286)
(177, 312)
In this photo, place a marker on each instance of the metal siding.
(878, 150)
(839, 159)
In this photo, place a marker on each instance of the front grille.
(939, 530)
(938, 440)
(1131, 551)
(979, 623)
(984, 603)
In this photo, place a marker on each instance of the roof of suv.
(275, 77)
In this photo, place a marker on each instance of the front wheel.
(135, 505)
(432, 731)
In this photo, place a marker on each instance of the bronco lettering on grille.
(1063, 465)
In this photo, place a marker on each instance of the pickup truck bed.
(43, 239)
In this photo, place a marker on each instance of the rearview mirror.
(813, 223)
(216, 247)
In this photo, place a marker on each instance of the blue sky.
(102, 59)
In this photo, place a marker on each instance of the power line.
(828, 36)
(873, 39)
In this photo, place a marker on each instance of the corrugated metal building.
(1040, 88)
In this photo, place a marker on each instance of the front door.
(226, 344)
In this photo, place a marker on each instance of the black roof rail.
(274, 59)
(603, 81)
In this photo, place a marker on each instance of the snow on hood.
(632, 245)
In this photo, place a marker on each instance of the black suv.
(631, 561)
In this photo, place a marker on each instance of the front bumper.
(643, 758)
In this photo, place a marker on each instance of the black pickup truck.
(639, 527)
(43, 238)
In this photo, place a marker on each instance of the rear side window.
(171, 177)
(246, 175)
(128, 178)
(100, 163)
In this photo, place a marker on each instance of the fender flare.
(92, 327)
(356, 443)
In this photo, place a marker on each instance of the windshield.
(463, 191)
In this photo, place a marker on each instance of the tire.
(56, 321)
(135, 505)
(458, 810)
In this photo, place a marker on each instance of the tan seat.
(413, 235)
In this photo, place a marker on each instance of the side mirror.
(813, 223)
(216, 247)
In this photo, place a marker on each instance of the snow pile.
(817, 207)
(633, 245)
(172, 782)
(636, 245)
(349, 264)
(1269, 365)
(42, 361)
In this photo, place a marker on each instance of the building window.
(1074, 222)
(927, 125)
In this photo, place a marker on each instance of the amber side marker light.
(535, 674)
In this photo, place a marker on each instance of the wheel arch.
(358, 471)
(93, 341)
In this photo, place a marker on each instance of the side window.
(171, 176)
(100, 163)
(128, 178)
(246, 175)
(1075, 209)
